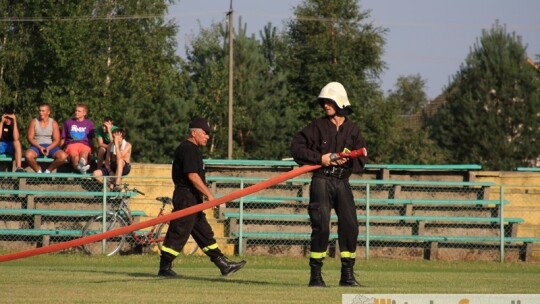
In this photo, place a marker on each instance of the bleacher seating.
(37, 209)
(423, 214)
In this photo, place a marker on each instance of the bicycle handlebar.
(126, 189)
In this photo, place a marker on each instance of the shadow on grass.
(220, 279)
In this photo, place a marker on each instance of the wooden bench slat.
(285, 216)
(289, 163)
(527, 169)
(421, 238)
(442, 167)
(60, 212)
(39, 232)
(385, 201)
(352, 181)
(66, 193)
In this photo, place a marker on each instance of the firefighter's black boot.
(226, 266)
(165, 265)
(347, 273)
(316, 280)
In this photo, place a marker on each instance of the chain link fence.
(399, 219)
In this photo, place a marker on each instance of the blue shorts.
(6, 147)
(39, 154)
(125, 170)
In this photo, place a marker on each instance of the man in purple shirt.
(77, 135)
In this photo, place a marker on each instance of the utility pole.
(231, 79)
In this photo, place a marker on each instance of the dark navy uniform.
(188, 192)
(188, 159)
(318, 143)
(330, 186)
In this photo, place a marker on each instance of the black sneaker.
(19, 169)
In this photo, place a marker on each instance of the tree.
(260, 91)
(401, 136)
(332, 41)
(113, 55)
(409, 94)
(493, 103)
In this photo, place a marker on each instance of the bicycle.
(119, 216)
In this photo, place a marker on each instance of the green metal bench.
(388, 237)
(373, 201)
(253, 180)
(40, 232)
(37, 218)
(249, 163)
(59, 212)
(527, 169)
(36, 215)
(43, 235)
(289, 163)
(375, 218)
(384, 169)
(430, 243)
(8, 158)
(50, 193)
(419, 221)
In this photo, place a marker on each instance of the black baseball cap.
(200, 123)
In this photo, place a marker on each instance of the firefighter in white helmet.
(318, 143)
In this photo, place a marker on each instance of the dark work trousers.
(194, 224)
(326, 193)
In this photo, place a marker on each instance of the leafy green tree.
(332, 40)
(403, 139)
(260, 91)
(493, 101)
(207, 88)
(409, 94)
(115, 56)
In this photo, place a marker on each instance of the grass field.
(73, 278)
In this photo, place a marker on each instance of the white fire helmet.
(336, 92)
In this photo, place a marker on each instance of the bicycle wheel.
(159, 236)
(189, 249)
(112, 245)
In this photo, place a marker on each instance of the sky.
(430, 38)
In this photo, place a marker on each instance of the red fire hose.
(166, 218)
(169, 217)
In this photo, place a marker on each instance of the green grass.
(73, 278)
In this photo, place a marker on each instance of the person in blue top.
(9, 138)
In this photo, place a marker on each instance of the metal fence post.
(501, 224)
(367, 221)
(241, 223)
(104, 212)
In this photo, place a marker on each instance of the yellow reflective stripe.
(210, 247)
(317, 255)
(170, 250)
(348, 254)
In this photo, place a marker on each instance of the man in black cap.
(190, 187)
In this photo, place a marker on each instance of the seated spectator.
(9, 138)
(117, 159)
(44, 136)
(103, 136)
(77, 134)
